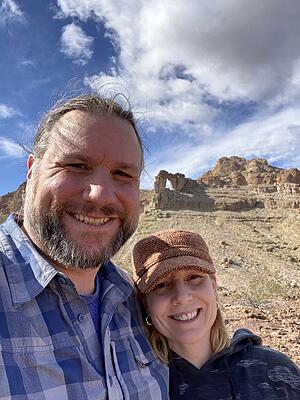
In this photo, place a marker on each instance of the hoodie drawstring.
(232, 389)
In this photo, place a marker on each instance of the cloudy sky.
(205, 78)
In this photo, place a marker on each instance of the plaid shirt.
(49, 348)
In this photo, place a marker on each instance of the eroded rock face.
(289, 176)
(179, 182)
(220, 188)
(239, 171)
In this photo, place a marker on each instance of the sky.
(205, 79)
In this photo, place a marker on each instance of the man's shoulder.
(123, 274)
(10, 232)
(6, 230)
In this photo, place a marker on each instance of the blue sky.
(205, 79)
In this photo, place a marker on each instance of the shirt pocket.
(137, 368)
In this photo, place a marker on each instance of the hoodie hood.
(241, 338)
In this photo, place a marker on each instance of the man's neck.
(84, 280)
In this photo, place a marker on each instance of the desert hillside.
(249, 214)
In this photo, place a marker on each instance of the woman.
(175, 276)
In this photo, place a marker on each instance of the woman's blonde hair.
(219, 338)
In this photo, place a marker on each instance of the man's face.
(82, 197)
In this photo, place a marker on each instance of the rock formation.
(234, 184)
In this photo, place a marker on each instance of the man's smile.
(91, 221)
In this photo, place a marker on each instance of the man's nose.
(181, 293)
(100, 189)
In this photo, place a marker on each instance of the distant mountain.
(234, 184)
(239, 171)
(11, 202)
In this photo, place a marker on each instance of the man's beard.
(59, 247)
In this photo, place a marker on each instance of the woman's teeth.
(186, 317)
(91, 221)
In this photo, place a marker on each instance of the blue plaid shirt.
(49, 348)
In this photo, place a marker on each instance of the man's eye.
(123, 176)
(78, 166)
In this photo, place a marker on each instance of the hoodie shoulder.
(275, 361)
(245, 335)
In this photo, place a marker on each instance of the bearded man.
(70, 323)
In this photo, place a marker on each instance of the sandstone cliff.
(234, 184)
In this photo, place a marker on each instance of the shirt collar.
(31, 272)
(116, 277)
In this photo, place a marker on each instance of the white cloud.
(9, 149)
(76, 45)
(268, 136)
(184, 62)
(10, 11)
(28, 63)
(7, 112)
(174, 51)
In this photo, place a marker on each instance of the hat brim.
(163, 268)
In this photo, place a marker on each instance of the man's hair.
(89, 103)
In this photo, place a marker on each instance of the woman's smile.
(188, 316)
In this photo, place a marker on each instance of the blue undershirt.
(93, 302)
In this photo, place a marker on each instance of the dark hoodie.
(245, 370)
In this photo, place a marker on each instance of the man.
(70, 326)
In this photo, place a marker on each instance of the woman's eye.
(196, 278)
(162, 285)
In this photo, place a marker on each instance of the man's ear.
(30, 162)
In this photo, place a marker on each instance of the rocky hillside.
(253, 230)
(241, 172)
(11, 202)
(234, 184)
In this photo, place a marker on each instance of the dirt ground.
(277, 323)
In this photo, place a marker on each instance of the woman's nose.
(181, 293)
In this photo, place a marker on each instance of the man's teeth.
(186, 317)
(91, 221)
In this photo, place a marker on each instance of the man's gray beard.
(62, 249)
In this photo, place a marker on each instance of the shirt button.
(81, 317)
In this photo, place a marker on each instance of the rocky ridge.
(234, 184)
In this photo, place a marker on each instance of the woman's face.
(183, 308)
